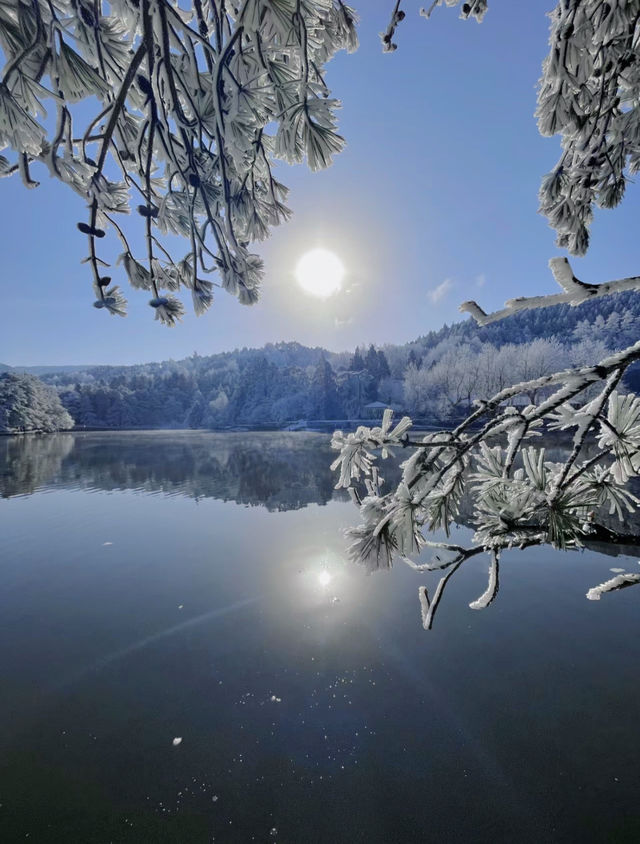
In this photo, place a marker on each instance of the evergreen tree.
(324, 395)
(414, 360)
(371, 362)
(196, 413)
(357, 361)
(383, 366)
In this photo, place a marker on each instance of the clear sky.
(433, 202)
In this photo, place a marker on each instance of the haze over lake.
(188, 656)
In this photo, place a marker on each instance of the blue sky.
(433, 202)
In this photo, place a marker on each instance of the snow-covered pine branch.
(429, 605)
(469, 9)
(590, 95)
(519, 496)
(621, 581)
(575, 293)
(176, 100)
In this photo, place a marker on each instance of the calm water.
(157, 586)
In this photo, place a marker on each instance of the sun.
(320, 273)
(324, 578)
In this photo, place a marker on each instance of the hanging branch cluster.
(193, 106)
(590, 95)
(519, 496)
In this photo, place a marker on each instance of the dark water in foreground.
(168, 585)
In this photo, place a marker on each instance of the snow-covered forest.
(435, 378)
(26, 404)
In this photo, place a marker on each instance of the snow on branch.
(185, 108)
(621, 581)
(489, 595)
(520, 497)
(397, 15)
(575, 293)
(589, 96)
(470, 9)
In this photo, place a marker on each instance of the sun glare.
(320, 273)
(324, 578)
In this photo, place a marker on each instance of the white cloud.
(438, 293)
(481, 280)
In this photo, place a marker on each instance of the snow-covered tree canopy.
(161, 108)
(28, 405)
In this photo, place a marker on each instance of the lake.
(187, 656)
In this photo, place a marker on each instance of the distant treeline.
(435, 377)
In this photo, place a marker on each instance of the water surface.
(168, 585)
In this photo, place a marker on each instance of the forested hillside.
(436, 377)
(27, 405)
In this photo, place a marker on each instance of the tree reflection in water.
(278, 471)
(29, 462)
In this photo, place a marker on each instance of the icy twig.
(619, 582)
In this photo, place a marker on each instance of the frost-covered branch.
(489, 595)
(519, 496)
(621, 581)
(590, 95)
(175, 112)
(575, 293)
(397, 15)
(429, 605)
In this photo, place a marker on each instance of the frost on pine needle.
(589, 96)
(18, 129)
(620, 433)
(168, 309)
(519, 496)
(112, 300)
(185, 109)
